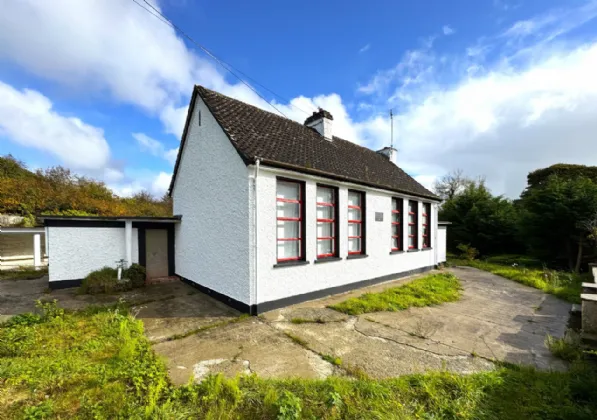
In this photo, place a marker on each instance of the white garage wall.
(282, 282)
(77, 251)
(211, 192)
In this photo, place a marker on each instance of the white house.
(272, 212)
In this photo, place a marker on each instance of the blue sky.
(497, 87)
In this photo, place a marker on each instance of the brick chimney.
(321, 121)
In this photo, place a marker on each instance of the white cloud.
(448, 30)
(155, 147)
(154, 183)
(27, 117)
(364, 48)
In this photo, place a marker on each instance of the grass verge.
(98, 364)
(562, 284)
(23, 274)
(429, 290)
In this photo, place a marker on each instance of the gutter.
(255, 233)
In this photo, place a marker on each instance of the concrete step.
(576, 309)
(589, 340)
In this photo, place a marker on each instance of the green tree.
(481, 220)
(553, 217)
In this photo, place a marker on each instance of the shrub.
(104, 280)
(468, 252)
(136, 274)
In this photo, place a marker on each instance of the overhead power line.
(226, 66)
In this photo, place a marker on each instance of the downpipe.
(255, 233)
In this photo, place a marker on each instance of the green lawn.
(564, 285)
(429, 290)
(98, 364)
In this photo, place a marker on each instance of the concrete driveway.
(496, 319)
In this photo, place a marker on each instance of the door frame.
(142, 242)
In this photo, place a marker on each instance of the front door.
(156, 253)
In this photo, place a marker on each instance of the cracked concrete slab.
(269, 353)
(178, 316)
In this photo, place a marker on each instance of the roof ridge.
(211, 91)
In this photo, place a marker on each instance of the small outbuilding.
(80, 245)
(22, 247)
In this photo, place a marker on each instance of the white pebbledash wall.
(280, 282)
(94, 248)
(211, 192)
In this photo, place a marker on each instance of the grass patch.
(98, 364)
(565, 285)
(207, 327)
(299, 321)
(336, 361)
(25, 273)
(429, 290)
(296, 339)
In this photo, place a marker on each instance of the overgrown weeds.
(567, 348)
(23, 273)
(429, 290)
(565, 285)
(98, 364)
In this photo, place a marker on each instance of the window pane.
(325, 195)
(287, 209)
(354, 245)
(396, 217)
(325, 230)
(354, 229)
(325, 247)
(354, 214)
(288, 190)
(412, 230)
(325, 212)
(354, 198)
(412, 206)
(395, 243)
(411, 242)
(288, 249)
(288, 229)
(395, 230)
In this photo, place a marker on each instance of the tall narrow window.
(413, 241)
(426, 225)
(396, 224)
(356, 218)
(290, 217)
(327, 237)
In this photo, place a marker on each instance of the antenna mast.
(391, 129)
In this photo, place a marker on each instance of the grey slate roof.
(280, 142)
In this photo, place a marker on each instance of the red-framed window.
(396, 224)
(413, 217)
(356, 222)
(426, 225)
(290, 220)
(327, 223)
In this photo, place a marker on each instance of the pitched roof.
(280, 142)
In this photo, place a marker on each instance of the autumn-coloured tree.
(57, 191)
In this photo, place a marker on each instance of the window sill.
(290, 264)
(356, 256)
(413, 250)
(396, 252)
(427, 249)
(328, 259)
